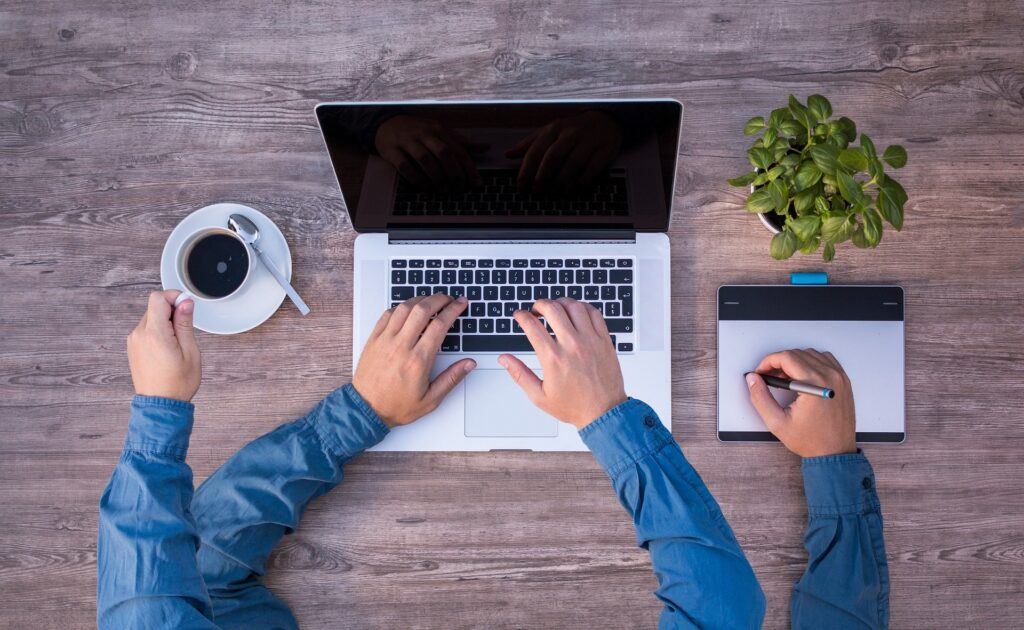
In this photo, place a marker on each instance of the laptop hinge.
(506, 234)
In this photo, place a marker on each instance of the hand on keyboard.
(427, 154)
(394, 370)
(582, 379)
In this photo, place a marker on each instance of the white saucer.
(261, 295)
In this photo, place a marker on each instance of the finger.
(595, 168)
(447, 380)
(833, 360)
(578, 315)
(524, 377)
(572, 168)
(556, 316)
(532, 160)
(445, 155)
(536, 332)
(461, 149)
(471, 146)
(158, 312)
(420, 316)
(400, 313)
(183, 328)
(818, 357)
(791, 362)
(436, 330)
(767, 407)
(382, 323)
(520, 149)
(597, 320)
(551, 162)
(427, 163)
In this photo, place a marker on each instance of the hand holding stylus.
(810, 426)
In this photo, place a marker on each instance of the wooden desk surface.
(117, 119)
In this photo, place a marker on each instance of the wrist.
(596, 412)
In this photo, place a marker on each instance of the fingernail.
(503, 361)
(462, 299)
(468, 367)
(187, 307)
(751, 379)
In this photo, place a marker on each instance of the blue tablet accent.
(808, 277)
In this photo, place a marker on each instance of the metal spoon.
(244, 227)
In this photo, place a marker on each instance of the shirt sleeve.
(846, 584)
(146, 552)
(260, 494)
(704, 578)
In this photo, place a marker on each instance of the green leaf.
(760, 157)
(744, 179)
(889, 209)
(805, 227)
(790, 128)
(760, 180)
(821, 205)
(753, 126)
(853, 159)
(807, 175)
(826, 157)
(760, 201)
(769, 136)
(848, 128)
(810, 246)
(783, 245)
(868, 146)
(848, 187)
(829, 252)
(895, 156)
(836, 229)
(779, 193)
(896, 191)
(804, 200)
(858, 238)
(872, 226)
(790, 159)
(819, 106)
(779, 115)
(775, 172)
(875, 168)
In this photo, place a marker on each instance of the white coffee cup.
(189, 289)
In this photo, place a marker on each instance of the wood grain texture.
(117, 119)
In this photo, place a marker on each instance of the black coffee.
(217, 265)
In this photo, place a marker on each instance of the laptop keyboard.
(499, 196)
(497, 287)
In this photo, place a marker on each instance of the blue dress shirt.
(168, 559)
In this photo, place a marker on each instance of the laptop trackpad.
(496, 407)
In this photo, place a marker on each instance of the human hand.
(427, 154)
(162, 352)
(582, 379)
(810, 426)
(393, 374)
(567, 152)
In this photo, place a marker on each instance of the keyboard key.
(627, 307)
(399, 263)
(589, 262)
(490, 293)
(450, 344)
(508, 292)
(540, 293)
(549, 276)
(486, 325)
(473, 293)
(448, 276)
(432, 276)
(625, 292)
(554, 263)
(611, 309)
(565, 276)
(451, 263)
(494, 309)
(487, 263)
(482, 276)
(591, 293)
(607, 292)
(625, 347)
(600, 276)
(415, 277)
(576, 292)
(455, 326)
(607, 262)
(397, 277)
(402, 293)
(520, 263)
(510, 308)
(503, 263)
(536, 262)
(477, 309)
(499, 276)
(422, 291)
(503, 326)
(619, 325)
(523, 292)
(582, 276)
(433, 263)
(469, 326)
(416, 264)
(572, 262)
(515, 276)
(467, 263)
(496, 343)
(532, 276)
(457, 292)
(624, 262)
(557, 292)
(621, 276)
(465, 276)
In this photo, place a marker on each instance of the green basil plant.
(823, 190)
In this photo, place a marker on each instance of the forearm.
(146, 553)
(704, 578)
(843, 538)
(260, 494)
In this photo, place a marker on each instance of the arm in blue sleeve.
(260, 494)
(704, 578)
(846, 584)
(146, 553)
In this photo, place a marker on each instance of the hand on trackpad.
(497, 407)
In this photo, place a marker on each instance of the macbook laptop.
(508, 202)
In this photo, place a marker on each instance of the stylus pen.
(796, 386)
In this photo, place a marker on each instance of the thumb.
(183, 329)
(767, 407)
(448, 379)
(523, 377)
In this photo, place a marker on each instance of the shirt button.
(648, 421)
(866, 483)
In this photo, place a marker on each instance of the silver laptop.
(507, 202)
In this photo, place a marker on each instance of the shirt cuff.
(625, 434)
(839, 484)
(161, 426)
(346, 423)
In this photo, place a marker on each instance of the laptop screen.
(549, 165)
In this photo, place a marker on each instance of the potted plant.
(812, 188)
